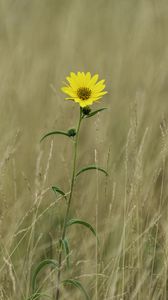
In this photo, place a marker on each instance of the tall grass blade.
(78, 285)
(59, 191)
(65, 244)
(38, 295)
(41, 265)
(81, 222)
(91, 167)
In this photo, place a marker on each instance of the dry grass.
(126, 42)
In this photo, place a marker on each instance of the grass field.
(126, 43)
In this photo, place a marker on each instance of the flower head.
(84, 88)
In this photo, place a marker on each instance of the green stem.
(68, 205)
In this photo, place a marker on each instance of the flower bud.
(86, 110)
(72, 132)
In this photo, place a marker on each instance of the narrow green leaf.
(41, 265)
(53, 133)
(65, 245)
(95, 112)
(58, 190)
(78, 285)
(81, 222)
(38, 295)
(91, 167)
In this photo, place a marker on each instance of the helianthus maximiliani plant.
(85, 90)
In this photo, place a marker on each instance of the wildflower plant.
(85, 90)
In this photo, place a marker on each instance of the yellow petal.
(68, 91)
(93, 80)
(73, 75)
(72, 82)
(97, 94)
(79, 79)
(100, 83)
(87, 79)
(98, 88)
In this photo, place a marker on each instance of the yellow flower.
(83, 88)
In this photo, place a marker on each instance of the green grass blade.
(91, 167)
(59, 191)
(78, 285)
(41, 265)
(81, 222)
(53, 133)
(93, 113)
(38, 295)
(65, 244)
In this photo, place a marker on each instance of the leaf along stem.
(68, 205)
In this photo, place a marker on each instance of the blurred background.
(126, 43)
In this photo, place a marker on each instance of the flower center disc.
(84, 93)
